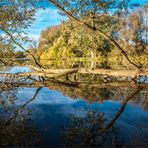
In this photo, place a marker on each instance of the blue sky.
(44, 18)
(48, 17)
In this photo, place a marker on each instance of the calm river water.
(60, 116)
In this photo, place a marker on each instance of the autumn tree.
(88, 12)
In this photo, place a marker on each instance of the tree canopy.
(93, 28)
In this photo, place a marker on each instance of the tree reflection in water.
(95, 130)
(82, 128)
(15, 130)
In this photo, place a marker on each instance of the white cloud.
(34, 37)
(48, 14)
(45, 96)
(45, 18)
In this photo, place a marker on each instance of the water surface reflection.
(43, 116)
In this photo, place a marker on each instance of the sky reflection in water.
(50, 113)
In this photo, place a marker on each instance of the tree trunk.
(93, 58)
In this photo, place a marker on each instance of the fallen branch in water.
(41, 74)
(54, 73)
(109, 72)
(116, 73)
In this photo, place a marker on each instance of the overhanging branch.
(19, 45)
(106, 36)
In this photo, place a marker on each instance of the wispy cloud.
(44, 18)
